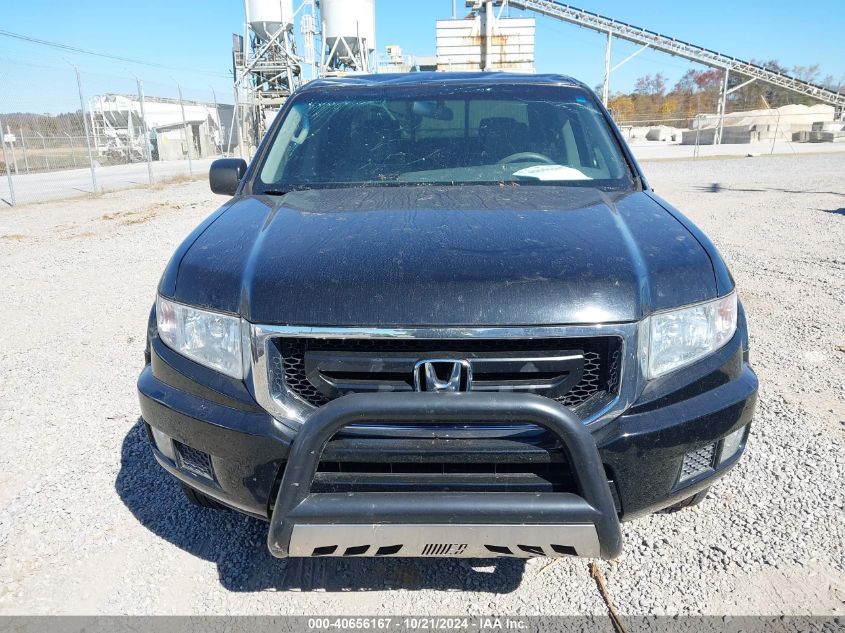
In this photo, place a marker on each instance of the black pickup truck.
(443, 314)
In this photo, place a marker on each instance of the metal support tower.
(488, 20)
(308, 28)
(270, 70)
(344, 56)
(605, 91)
(267, 70)
(723, 100)
(676, 47)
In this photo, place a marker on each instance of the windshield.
(440, 135)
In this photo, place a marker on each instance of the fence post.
(232, 125)
(6, 164)
(129, 139)
(146, 129)
(217, 120)
(23, 147)
(188, 141)
(87, 138)
(14, 156)
(72, 148)
(44, 147)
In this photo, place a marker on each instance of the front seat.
(373, 140)
(500, 137)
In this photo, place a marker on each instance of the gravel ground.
(90, 524)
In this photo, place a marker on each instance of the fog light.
(731, 444)
(697, 462)
(163, 443)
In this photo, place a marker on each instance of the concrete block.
(704, 136)
(639, 133)
(827, 126)
(662, 133)
(738, 135)
(827, 137)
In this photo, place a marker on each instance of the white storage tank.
(349, 20)
(267, 17)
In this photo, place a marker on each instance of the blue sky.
(195, 36)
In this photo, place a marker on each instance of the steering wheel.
(522, 157)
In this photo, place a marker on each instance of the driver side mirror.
(225, 175)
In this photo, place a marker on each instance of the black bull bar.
(465, 524)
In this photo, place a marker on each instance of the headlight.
(679, 337)
(209, 338)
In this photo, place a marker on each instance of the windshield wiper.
(275, 192)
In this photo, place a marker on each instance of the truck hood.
(463, 255)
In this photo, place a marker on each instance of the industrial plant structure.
(349, 36)
(126, 127)
(648, 39)
(268, 66)
(338, 37)
(485, 40)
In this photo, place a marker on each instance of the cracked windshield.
(527, 135)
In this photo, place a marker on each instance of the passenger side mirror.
(225, 175)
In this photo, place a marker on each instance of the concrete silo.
(349, 36)
(268, 17)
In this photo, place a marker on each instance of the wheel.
(689, 502)
(200, 500)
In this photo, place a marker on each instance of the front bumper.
(445, 523)
(641, 454)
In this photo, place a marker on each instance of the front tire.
(198, 499)
(690, 502)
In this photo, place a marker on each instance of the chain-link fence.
(67, 131)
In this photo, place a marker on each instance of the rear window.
(439, 135)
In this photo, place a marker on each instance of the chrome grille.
(601, 361)
(590, 383)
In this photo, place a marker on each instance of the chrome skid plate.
(444, 540)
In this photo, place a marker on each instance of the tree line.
(698, 91)
(49, 125)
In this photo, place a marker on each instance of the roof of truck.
(442, 79)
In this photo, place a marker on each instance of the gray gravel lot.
(90, 524)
